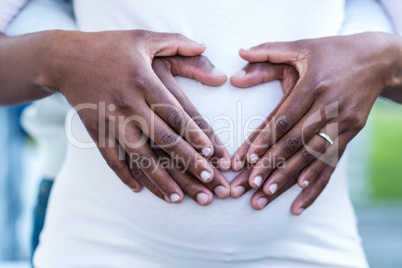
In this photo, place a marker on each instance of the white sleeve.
(365, 16)
(8, 10)
(394, 9)
(42, 15)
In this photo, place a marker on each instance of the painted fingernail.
(257, 181)
(218, 72)
(305, 183)
(238, 191)
(205, 175)
(240, 74)
(238, 165)
(202, 198)
(221, 191)
(225, 164)
(262, 202)
(273, 188)
(254, 158)
(174, 197)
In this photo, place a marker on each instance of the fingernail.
(174, 197)
(218, 72)
(221, 191)
(238, 165)
(167, 199)
(238, 191)
(240, 74)
(206, 151)
(254, 158)
(262, 202)
(202, 198)
(225, 164)
(300, 211)
(257, 181)
(305, 183)
(205, 175)
(273, 188)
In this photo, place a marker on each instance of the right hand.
(115, 69)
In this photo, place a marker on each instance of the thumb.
(278, 52)
(171, 44)
(199, 68)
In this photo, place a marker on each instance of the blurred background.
(375, 176)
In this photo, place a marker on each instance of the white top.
(95, 221)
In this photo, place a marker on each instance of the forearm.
(23, 64)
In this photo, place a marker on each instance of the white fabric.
(394, 8)
(95, 221)
(367, 16)
(8, 9)
(44, 119)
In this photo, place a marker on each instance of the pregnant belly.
(141, 229)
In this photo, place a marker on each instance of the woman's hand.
(114, 70)
(340, 78)
(201, 69)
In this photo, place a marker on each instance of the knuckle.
(292, 144)
(201, 61)
(137, 174)
(307, 156)
(175, 118)
(115, 164)
(144, 161)
(282, 125)
(187, 185)
(168, 139)
(178, 36)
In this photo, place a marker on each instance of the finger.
(293, 108)
(219, 185)
(295, 164)
(260, 200)
(240, 185)
(169, 141)
(141, 178)
(287, 146)
(330, 158)
(257, 73)
(201, 69)
(310, 194)
(239, 159)
(170, 44)
(190, 186)
(277, 52)
(116, 162)
(141, 155)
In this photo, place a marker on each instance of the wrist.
(55, 53)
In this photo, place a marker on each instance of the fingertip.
(204, 199)
(224, 164)
(222, 192)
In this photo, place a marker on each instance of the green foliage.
(386, 151)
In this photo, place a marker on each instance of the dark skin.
(337, 81)
(116, 68)
(38, 65)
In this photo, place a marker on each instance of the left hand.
(340, 78)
